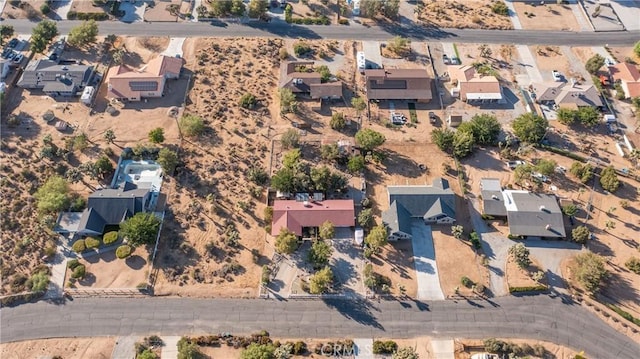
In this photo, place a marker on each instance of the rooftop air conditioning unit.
(494, 196)
(306, 204)
(542, 208)
(547, 227)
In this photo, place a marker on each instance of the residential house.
(125, 83)
(492, 197)
(473, 87)
(398, 84)
(54, 79)
(562, 95)
(433, 204)
(533, 214)
(628, 76)
(296, 216)
(303, 81)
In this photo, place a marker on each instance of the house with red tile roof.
(297, 215)
(629, 78)
(125, 83)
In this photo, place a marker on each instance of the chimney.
(547, 227)
(306, 204)
(542, 208)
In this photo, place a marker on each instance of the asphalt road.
(354, 31)
(538, 317)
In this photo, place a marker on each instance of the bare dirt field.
(521, 277)
(26, 10)
(81, 6)
(212, 204)
(583, 53)
(467, 347)
(76, 348)
(546, 17)
(107, 271)
(473, 14)
(549, 58)
(312, 8)
(159, 11)
(622, 53)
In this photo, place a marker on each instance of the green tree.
(337, 121)
(485, 129)
(580, 234)
(191, 125)
(594, 64)
(42, 34)
(156, 135)
(589, 270)
(103, 166)
(6, 31)
(546, 167)
(284, 180)
(376, 238)
(329, 152)
(248, 101)
(287, 101)
(258, 351)
(141, 229)
(327, 230)
(633, 264)
(321, 178)
(570, 210)
(38, 282)
(370, 8)
(257, 8)
(405, 353)
(359, 104)
(53, 195)
(369, 139)
(391, 8)
(400, 46)
(443, 138)
(529, 127)
(237, 8)
(146, 354)
(365, 218)
(462, 144)
(168, 160)
(286, 242)
(457, 231)
(566, 116)
(588, 116)
(220, 8)
(325, 73)
(520, 255)
(109, 136)
(320, 281)
(188, 350)
(583, 172)
(83, 34)
(636, 49)
(356, 164)
(319, 254)
(500, 8)
(609, 179)
(522, 172)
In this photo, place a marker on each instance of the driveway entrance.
(424, 259)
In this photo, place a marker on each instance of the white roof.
(484, 96)
(359, 235)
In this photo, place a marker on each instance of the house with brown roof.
(562, 95)
(303, 81)
(125, 83)
(295, 216)
(472, 87)
(629, 78)
(398, 84)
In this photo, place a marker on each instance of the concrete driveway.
(60, 9)
(550, 255)
(133, 12)
(424, 259)
(346, 263)
(175, 47)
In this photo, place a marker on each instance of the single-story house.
(534, 214)
(398, 84)
(473, 87)
(125, 83)
(629, 78)
(299, 77)
(492, 197)
(56, 80)
(433, 204)
(297, 215)
(570, 96)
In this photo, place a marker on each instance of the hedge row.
(97, 16)
(565, 153)
(533, 288)
(624, 314)
(323, 20)
(20, 298)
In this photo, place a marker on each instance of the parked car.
(432, 117)
(13, 43)
(556, 75)
(11, 55)
(609, 61)
(561, 169)
(446, 59)
(398, 118)
(540, 177)
(514, 164)
(485, 356)
(18, 58)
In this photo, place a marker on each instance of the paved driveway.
(550, 255)
(60, 9)
(175, 47)
(133, 12)
(346, 262)
(424, 259)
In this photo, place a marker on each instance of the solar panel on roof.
(143, 85)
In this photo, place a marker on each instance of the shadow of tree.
(358, 310)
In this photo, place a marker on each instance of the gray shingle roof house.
(302, 80)
(54, 79)
(492, 198)
(534, 214)
(434, 204)
(112, 206)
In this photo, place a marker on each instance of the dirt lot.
(466, 348)
(473, 14)
(76, 348)
(210, 198)
(549, 58)
(521, 277)
(547, 17)
(159, 11)
(107, 271)
(312, 8)
(27, 10)
(82, 6)
(622, 53)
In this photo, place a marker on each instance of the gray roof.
(397, 219)
(492, 198)
(112, 206)
(534, 214)
(418, 201)
(49, 76)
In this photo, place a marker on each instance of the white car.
(484, 356)
(514, 164)
(18, 58)
(556, 75)
(540, 176)
(609, 61)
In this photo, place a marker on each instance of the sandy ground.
(475, 14)
(82, 6)
(519, 277)
(549, 58)
(107, 271)
(466, 348)
(548, 17)
(29, 10)
(621, 53)
(76, 348)
(583, 53)
(159, 12)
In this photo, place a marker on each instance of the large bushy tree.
(42, 34)
(609, 179)
(530, 127)
(589, 270)
(141, 229)
(369, 139)
(321, 281)
(83, 34)
(53, 195)
(286, 242)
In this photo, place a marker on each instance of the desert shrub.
(79, 272)
(466, 282)
(192, 125)
(123, 251)
(248, 101)
(386, 347)
(45, 9)
(79, 246)
(91, 243)
(110, 237)
(633, 264)
(299, 348)
(72, 264)
(500, 8)
(343, 21)
(301, 48)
